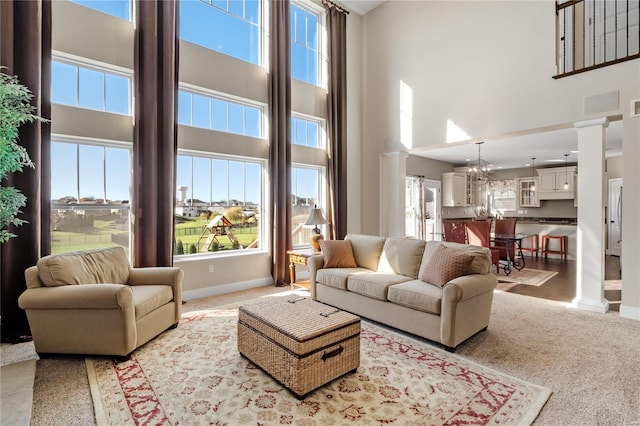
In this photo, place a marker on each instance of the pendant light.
(532, 187)
(566, 180)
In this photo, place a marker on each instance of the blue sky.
(237, 37)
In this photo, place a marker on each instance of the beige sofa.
(385, 287)
(93, 302)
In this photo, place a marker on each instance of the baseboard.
(631, 312)
(225, 288)
(600, 306)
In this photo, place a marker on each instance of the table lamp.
(315, 218)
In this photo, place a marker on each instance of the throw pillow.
(446, 264)
(337, 254)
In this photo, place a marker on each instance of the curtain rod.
(331, 4)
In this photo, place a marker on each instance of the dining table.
(511, 243)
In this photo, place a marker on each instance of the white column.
(591, 218)
(393, 171)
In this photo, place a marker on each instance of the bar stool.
(563, 245)
(533, 245)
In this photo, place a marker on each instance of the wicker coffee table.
(301, 343)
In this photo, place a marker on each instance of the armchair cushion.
(86, 267)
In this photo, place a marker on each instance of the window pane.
(303, 64)
(184, 108)
(312, 32)
(236, 7)
(220, 182)
(220, 115)
(252, 184)
(117, 91)
(183, 178)
(252, 119)
(91, 173)
(210, 27)
(91, 84)
(118, 169)
(236, 183)
(236, 118)
(301, 25)
(201, 111)
(63, 84)
(118, 8)
(252, 11)
(201, 182)
(64, 176)
(312, 135)
(304, 45)
(301, 132)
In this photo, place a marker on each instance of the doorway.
(614, 218)
(423, 216)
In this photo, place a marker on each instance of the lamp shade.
(315, 217)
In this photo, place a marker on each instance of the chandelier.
(479, 170)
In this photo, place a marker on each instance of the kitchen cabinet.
(551, 183)
(528, 192)
(454, 189)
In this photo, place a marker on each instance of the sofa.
(386, 283)
(93, 302)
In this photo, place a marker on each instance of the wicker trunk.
(301, 343)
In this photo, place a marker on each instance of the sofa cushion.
(99, 266)
(446, 264)
(401, 256)
(481, 263)
(337, 254)
(415, 295)
(337, 277)
(373, 284)
(148, 298)
(366, 249)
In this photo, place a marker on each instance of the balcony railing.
(593, 34)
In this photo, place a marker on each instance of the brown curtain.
(337, 120)
(280, 139)
(155, 134)
(25, 51)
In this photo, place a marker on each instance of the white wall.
(487, 67)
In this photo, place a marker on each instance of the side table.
(298, 257)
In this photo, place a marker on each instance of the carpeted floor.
(194, 375)
(589, 361)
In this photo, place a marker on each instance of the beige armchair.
(93, 302)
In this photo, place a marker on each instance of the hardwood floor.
(561, 287)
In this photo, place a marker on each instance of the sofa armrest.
(468, 286)
(83, 296)
(314, 263)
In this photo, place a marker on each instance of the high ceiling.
(361, 7)
(510, 153)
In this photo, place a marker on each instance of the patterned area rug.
(526, 276)
(194, 375)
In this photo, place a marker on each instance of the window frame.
(322, 129)
(80, 62)
(212, 94)
(262, 213)
(322, 197)
(104, 143)
(322, 57)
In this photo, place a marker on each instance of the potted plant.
(15, 110)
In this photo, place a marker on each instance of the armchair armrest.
(314, 263)
(84, 296)
(160, 275)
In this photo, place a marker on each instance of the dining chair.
(455, 231)
(479, 234)
(505, 227)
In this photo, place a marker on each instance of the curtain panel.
(155, 132)
(25, 51)
(337, 119)
(279, 140)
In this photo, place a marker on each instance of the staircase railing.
(593, 34)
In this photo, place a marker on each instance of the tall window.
(305, 194)
(90, 195)
(218, 203)
(217, 113)
(306, 132)
(118, 8)
(90, 87)
(231, 27)
(305, 52)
